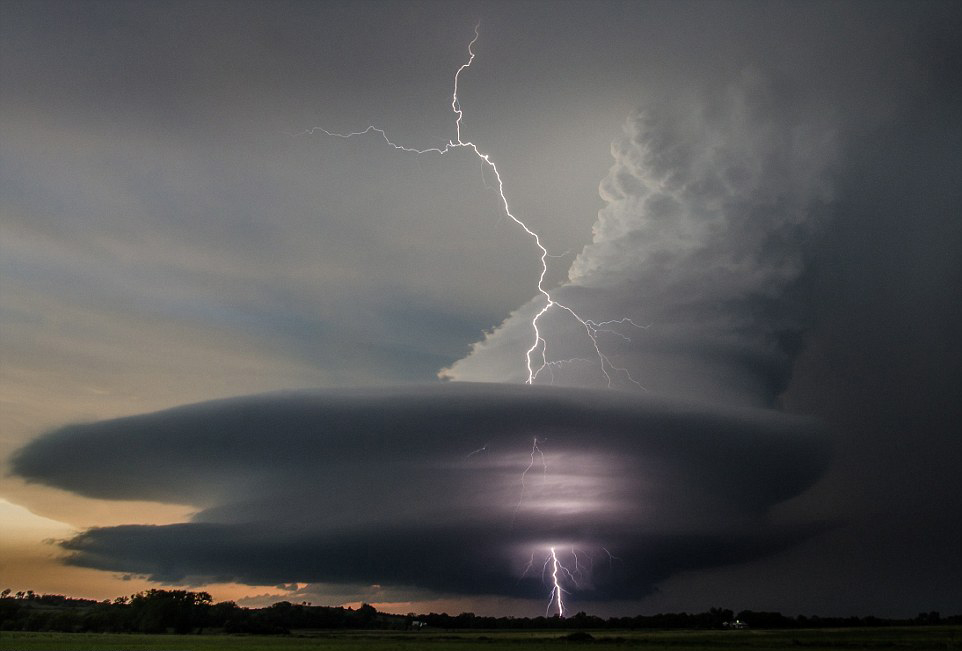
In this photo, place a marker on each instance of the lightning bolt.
(553, 567)
(611, 557)
(535, 450)
(557, 571)
(560, 574)
(483, 448)
(536, 358)
(557, 592)
(561, 363)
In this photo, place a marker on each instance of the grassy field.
(941, 638)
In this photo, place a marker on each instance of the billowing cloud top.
(710, 202)
(450, 488)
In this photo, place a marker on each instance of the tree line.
(183, 611)
(174, 611)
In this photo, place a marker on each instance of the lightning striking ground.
(557, 591)
(555, 574)
(536, 357)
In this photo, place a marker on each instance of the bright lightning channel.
(483, 448)
(553, 572)
(536, 357)
(556, 574)
(557, 591)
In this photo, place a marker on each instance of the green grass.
(921, 638)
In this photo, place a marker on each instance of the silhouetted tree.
(156, 611)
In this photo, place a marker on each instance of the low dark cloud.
(462, 560)
(426, 487)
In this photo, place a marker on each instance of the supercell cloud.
(780, 220)
(709, 203)
(709, 206)
(425, 487)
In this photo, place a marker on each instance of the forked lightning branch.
(536, 358)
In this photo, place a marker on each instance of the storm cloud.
(779, 218)
(439, 488)
(712, 202)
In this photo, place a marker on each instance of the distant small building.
(737, 624)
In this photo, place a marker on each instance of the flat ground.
(942, 638)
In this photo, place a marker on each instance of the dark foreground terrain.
(915, 637)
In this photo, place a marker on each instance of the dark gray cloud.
(426, 487)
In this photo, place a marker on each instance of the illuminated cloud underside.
(381, 486)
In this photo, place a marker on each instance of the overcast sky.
(242, 354)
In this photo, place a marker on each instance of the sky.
(243, 355)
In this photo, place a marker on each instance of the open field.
(941, 637)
